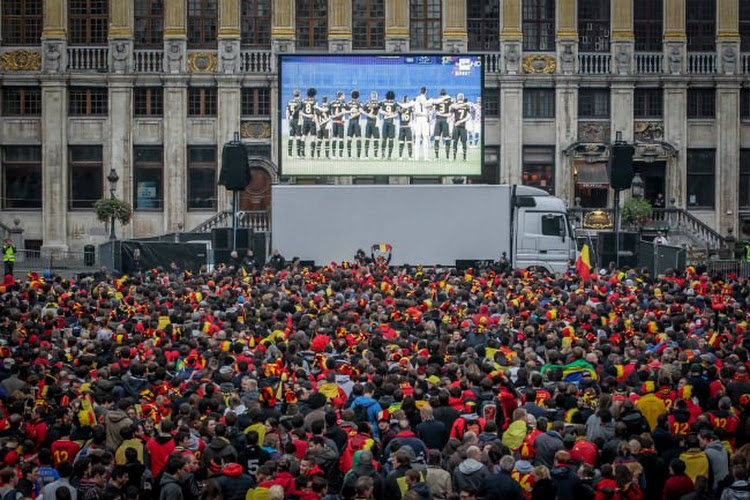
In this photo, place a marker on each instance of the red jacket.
(584, 451)
(676, 486)
(159, 449)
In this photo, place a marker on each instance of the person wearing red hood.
(233, 482)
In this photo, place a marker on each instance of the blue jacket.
(372, 407)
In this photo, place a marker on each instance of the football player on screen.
(323, 122)
(292, 117)
(442, 129)
(461, 111)
(389, 111)
(422, 124)
(354, 131)
(475, 123)
(371, 109)
(338, 120)
(308, 121)
(405, 113)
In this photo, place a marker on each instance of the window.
(22, 22)
(648, 103)
(202, 20)
(149, 101)
(256, 23)
(22, 101)
(87, 101)
(539, 25)
(22, 177)
(149, 23)
(86, 175)
(553, 225)
(701, 103)
(368, 24)
(538, 103)
(483, 24)
(700, 25)
(202, 177)
(701, 164)
(593, 25)
(648, 25)
(491, 167)
(425, 24)
(539, 167)
(256, 101)
(745, 25)
(87, 22)
(745, 178)
(593, 103)
(202, 101)
(745, 104)
(491, 103)
(148, 173)
(312, 24)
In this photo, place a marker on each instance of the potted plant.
(107, 209)
(636, 212)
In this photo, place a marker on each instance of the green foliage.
(107, 208)
(636, 210)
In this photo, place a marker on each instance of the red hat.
(384, 416)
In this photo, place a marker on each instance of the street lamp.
(637, 186)
(112, 178)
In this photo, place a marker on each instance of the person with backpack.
(8, 483)
(364, 466)
(365, 407)
(359, 441)
(468, 421)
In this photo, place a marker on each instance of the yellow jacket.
(696, 463)
(651, 407)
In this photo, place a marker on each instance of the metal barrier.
(739, 268)
(36, 260)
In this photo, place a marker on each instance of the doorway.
(257, 195)
(654, 177)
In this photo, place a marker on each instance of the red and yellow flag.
(583, 264)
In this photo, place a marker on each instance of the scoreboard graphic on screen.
(415, 115)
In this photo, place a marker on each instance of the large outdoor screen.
(415, 115)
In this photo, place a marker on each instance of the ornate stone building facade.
(153, 88)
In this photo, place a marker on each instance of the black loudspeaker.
(222, 238)
(628, 248)
(235, 171)
(621, 166)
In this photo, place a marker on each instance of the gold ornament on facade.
(202, 62)
(22, 60)
(597, 219)
(539, 64)
(255, 130)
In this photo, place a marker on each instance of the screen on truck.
(415, 115)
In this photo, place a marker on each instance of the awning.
(592, 175)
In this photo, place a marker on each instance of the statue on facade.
(675, 60)
(568, 59)
(229, 59)
(52, 58)
(120, 56)
(174, 58)
(623, 61)
(512, 56)
(729, 58)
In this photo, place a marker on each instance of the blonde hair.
(540, 472)
(276, 492)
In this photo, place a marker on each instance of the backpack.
(354, 444)
(13, 494)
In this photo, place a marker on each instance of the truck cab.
(543, 234)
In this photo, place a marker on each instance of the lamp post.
(112, 178)
(637, 187)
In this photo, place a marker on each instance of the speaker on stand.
(235, 176)
(620, 177)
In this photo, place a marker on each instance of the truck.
(453, 225)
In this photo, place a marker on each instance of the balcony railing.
(148, 61)
(492, 62)
(594, 63)
(701, 63)
(745, 64)
(88, 58)
(257, 61)
(649, 63)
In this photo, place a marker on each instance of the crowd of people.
(360, 381)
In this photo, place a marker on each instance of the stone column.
(397, 26)
(675, 40)
(621, 99)
(728, 39)
(175, 153)
(340, 26)
(54, 164)
(623, 38)
(175, 37)
(566, 104)
(228, 122)
(455, 37)
(121, 37)
(511, 130)
(121, 139)
(229, 36)
(727, 157)
(567, 37)
(675, 133)
(55, 36)
(511, 36)
(283, 34)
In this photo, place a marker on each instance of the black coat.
(348, 491)
(433, 434)
(500, 487)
